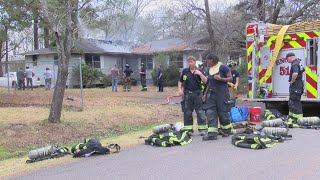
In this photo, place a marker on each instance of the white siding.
(107, 63)
(47, 61)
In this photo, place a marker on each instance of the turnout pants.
(160, 85)
(127, 84)
(295, 106)
(193, 101)
(143, 82)
(217, 106)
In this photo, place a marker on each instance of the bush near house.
(171, 75)
(91, 77)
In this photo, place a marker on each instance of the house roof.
(94, 46)
(170, 45)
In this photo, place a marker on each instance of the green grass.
(105, 136)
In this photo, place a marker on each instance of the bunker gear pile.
(93, 146)
(254, 141)
(48, 152)
(170, 138)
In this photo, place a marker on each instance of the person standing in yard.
(21, 79)
(233, 86)
(115, 77)
(160, 78)
(143, 77)
(29, 75)
(127, 79)
(48, 79)
(190, 87)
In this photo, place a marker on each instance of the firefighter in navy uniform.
(217, 99)
(295, 90)
(143, 77)
(190, 87)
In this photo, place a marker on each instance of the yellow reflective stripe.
(295, 44)
(212, 129)
(260, 78)
(254, 146)
(311, 89)
(202, 127)
(277, 48)
(304, 36)
(297, 115)
(272, 38)
(229, 126)
(251, 34)
(164, 144)
(250, 93)
(317, 32)
(249, 65)
(237, 142)
(311, 74)
(250, 49)
(189, 127)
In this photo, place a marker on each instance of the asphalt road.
(295, 159)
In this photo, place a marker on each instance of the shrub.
(90, 76)
(170, 74)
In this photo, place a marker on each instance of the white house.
(105, 54)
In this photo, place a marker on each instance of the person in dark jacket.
(160, 78)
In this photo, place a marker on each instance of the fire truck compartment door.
(281, 71)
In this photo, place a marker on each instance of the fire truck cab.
(268, 69)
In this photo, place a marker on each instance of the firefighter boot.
(210, 136)
(202, 132)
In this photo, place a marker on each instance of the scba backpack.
(237, 114)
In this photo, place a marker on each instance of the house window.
(148, 62)
(35, 60)
(312, 52)
(93, 60)
(56, 61)
(177, 60)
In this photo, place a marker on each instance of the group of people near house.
(126, 76)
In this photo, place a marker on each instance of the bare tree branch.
(300, 12)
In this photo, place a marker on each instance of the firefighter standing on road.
(233, 86)
(190, 87)
(295, 90)
(217, 98)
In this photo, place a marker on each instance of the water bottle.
(42, 152)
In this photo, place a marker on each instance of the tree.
(13, 17)
(209, 26)
(62, 26)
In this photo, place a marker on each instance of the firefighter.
(190, 87)
(217, 98)
(233, 86)
(295, 90)
(127, 78)
(143, 77)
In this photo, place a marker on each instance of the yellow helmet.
(198, 63)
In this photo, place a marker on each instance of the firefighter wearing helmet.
(233, 86)
(143, 77)
(127, 78)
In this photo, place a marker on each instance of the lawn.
(23, 124)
